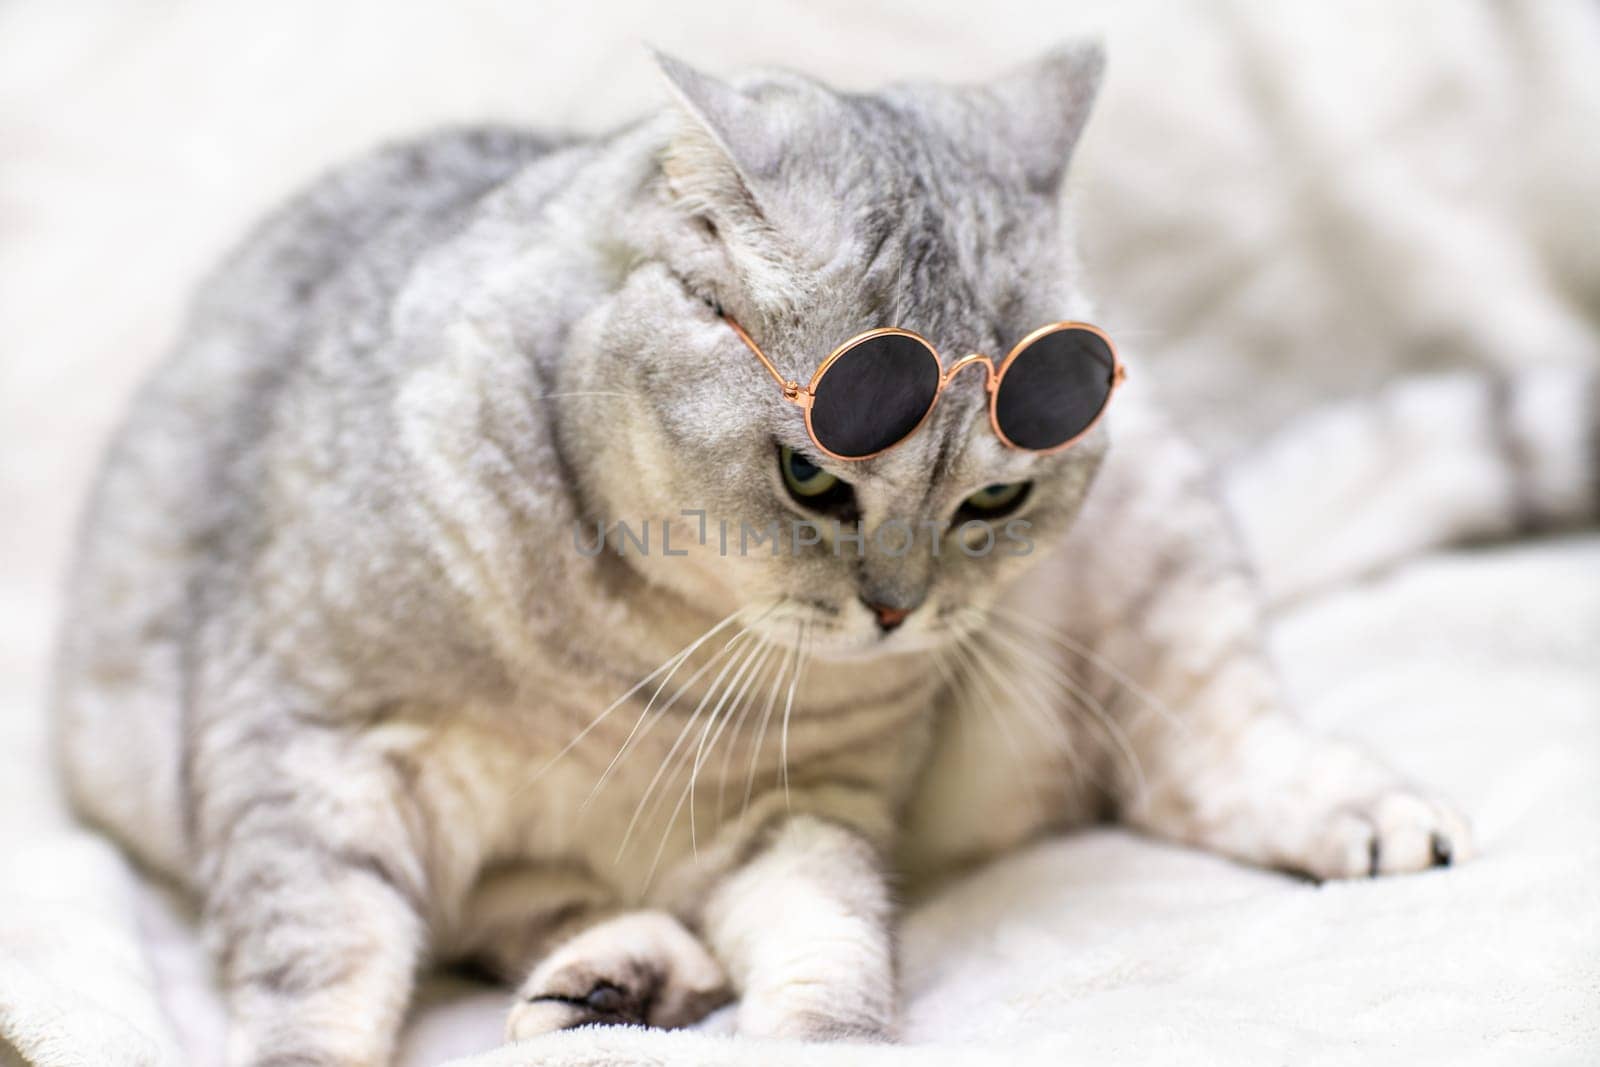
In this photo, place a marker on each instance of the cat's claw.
(638, 969)
(1398, 832)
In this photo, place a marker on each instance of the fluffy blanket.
(1279, 206)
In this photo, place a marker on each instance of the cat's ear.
(725, 150)
(1046, 104)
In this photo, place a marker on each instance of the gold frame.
(805, 396)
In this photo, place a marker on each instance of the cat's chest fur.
(681, 767)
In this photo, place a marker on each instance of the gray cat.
(337, 661)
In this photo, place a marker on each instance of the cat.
(335, 662)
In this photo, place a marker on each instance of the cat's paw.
(1397, 832)
(809, 1016)
(641, 969)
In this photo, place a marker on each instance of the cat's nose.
(888, 617)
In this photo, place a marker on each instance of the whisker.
(1028, 661)
(1086, 700)
(1039, 715)
(682, 759)
(738, 731)
(790, 661)
(687, 794)
(967, 651)
(947, 677)
(672, 663)
(636, 734)
(1017, 620)
(578, 392)
(788, 706)
(683, 733)
(655, 860)
(720, 721)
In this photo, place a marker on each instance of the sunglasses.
(879, 387)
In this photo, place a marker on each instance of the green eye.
(1007, 496)
(805, 479)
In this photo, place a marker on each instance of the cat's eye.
(814, 488)
(806, 480)
(999, 499)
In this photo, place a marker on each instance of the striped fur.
(331, 662)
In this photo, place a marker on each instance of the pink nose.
(888, 618)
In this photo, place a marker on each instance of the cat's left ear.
(1046, 104)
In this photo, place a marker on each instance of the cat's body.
(335, 662)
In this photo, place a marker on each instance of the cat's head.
(809, 216)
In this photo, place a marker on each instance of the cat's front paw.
(813, 1015)
(640, 969)
(1396, 832)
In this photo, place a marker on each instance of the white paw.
(1397, 832)
(816, 1013)
(640, 969)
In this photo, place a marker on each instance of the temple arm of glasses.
(791, 389)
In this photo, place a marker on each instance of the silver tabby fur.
(333, 663)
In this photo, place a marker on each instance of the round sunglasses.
(879, 387)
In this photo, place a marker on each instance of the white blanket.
(1276, 210)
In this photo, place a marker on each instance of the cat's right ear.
(724, 153)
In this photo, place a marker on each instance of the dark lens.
(1053, 389)
(873, 395)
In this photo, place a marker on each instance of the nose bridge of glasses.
(969, 360)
